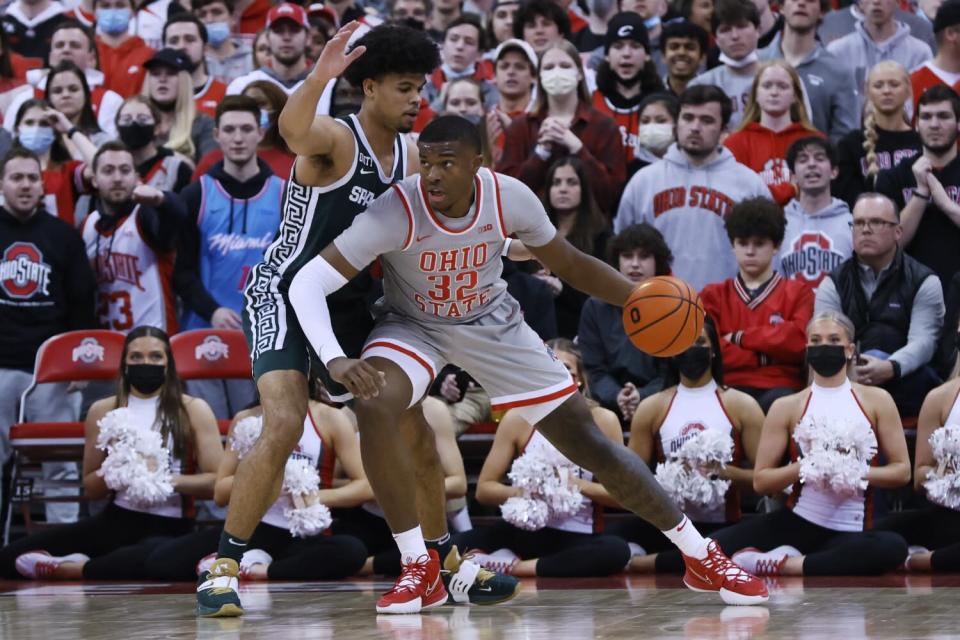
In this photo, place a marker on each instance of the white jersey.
(319, 454)
(691, 412)
(143, 413)
(822, 507)
(589, 518)
(439, 269)
(133, 280)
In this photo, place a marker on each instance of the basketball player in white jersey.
(933, 532)
(695, 400)
(821, 532)
(439, 236)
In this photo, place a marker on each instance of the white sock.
(411, 545)
(688, 539)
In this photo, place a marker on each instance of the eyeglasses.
(873, 224)
(140, 119)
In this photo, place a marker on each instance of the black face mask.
(693, 362)
(136, 135)
(827, 359)
(146, 378)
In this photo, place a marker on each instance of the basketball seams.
(656, 293)
(666, 315)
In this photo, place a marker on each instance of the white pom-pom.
(943, 483)
(836, 454)
(531, 472)
(524, 513)
(711, 447)
(672, 476)
(137, 465)
(245, 434)
(563, 498)
(685, 477)
(308, 521)
(300, 477)
(115, 426)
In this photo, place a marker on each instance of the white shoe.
(205, 563)
(40, 565)
(764, 563)
(500, 561)
(252, 557)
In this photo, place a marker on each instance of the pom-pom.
(712, 447)
(308, 521)
(300, 477)
(672, 476)
(689, 476)
(836, 454)
(545, 476)
(245, 434)
(943, 483)
(137, 465)
(114, 427)
(525, 513)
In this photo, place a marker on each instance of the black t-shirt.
(586, 40)
(893, 147)
(937, 240)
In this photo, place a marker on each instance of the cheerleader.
(823, 532)
(116, 543)
(568, 546)
(934, 527)
(695, 400)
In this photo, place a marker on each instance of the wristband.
(896, 369)
(72, 131)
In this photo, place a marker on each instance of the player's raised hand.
(334, 58)
(359, 377)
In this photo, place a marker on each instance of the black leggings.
(315, 558)
(638, 530)
(375, 534)
(828, 552)
(560, 554)
(117, 540)
(936, 528)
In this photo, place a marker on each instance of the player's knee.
(282, 430)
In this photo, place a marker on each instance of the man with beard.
(625, 77)
(341, 167)
(829, 84)
(926, 189)
(185, 33)
(287, 28)
(694, 187)
(683, 46)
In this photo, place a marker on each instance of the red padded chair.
(203, 354)
(67, 357)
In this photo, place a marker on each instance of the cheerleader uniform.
(933, 526)
(119, 539)
(319, 557)
(832, 532)
(692, 411)
(568, 547)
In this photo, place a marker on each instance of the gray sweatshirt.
(839, 23)
(688, 204)
(815, 243)
(734, 83)
(859, 52)
(830, 87)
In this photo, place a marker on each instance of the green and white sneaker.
(217, 590)
(468, 582)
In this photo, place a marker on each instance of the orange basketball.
(663, 316)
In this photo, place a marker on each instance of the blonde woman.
(775, 117)
(138, 121)
(169, 88)
(886, 139)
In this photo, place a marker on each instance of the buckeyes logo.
(23, 273)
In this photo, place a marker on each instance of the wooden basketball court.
(896, 606)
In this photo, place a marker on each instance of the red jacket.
(123, 66)
(765, 152)
(767, 334)
(602, 154)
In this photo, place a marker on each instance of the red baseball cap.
(288, 11)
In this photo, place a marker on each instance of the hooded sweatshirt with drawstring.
(815, 242)
(230, 224)
(860, 53)
(689, 205)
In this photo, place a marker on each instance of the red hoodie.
(765, 152)
(767, 333)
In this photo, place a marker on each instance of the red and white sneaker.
(765, 563)
(40, 565)
(718, 573)
(418, 588)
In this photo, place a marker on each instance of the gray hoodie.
(859, 52)
(814, 244)
(839, 23)
(734, 83)
(829, 86)
(688, 204)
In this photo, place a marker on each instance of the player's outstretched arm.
(583, 272)
(304, 132)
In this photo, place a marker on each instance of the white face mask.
(559, 81)
(655, 136)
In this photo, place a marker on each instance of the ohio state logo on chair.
(211, 354)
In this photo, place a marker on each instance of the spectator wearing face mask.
(122, 55)
(658, 123)
(464, 97)
(227, 58)
(463, 44)
(186, 34)
(157, 165)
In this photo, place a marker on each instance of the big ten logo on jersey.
(810, 258)
(698, 198)
(688, 432)
(454, 275)
(212, 348)
(88, 351)
(23, 273)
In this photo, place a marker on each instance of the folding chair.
(205, 354)
(67, 357)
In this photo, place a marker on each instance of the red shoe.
(418, 588)
(717, 572)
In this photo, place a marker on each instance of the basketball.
(663, 316)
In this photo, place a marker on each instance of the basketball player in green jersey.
(342, 166)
